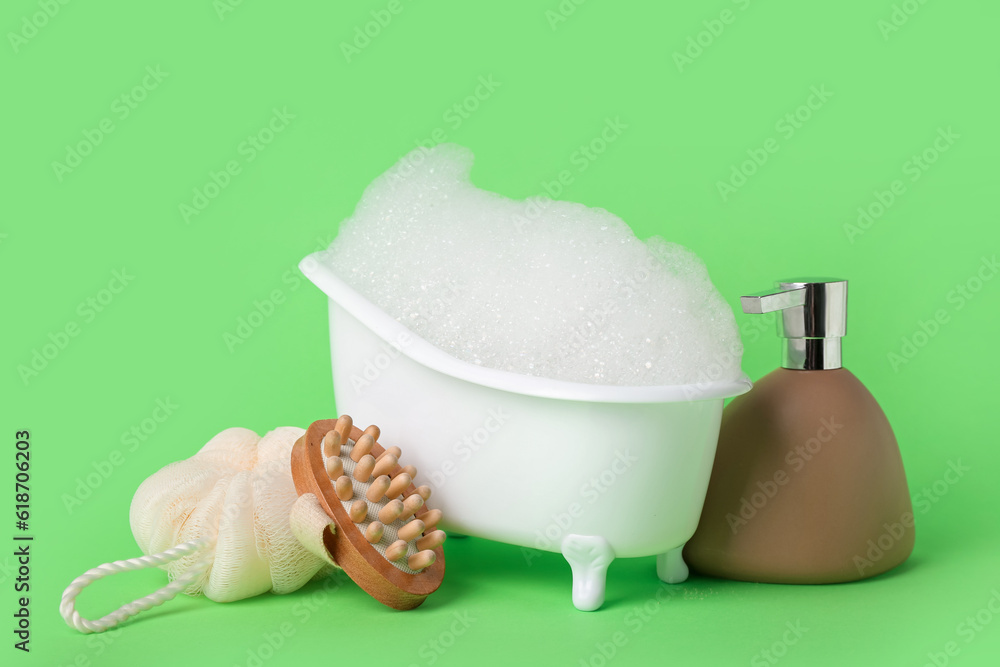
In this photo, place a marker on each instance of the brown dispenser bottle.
(808, 484)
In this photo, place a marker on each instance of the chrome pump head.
(813, 320)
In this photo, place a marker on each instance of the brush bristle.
(377, 487)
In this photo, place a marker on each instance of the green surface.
(888, 94)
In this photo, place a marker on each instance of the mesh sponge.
(239, 488)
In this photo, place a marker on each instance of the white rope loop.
(68, 605)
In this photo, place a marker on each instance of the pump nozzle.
(813, 320)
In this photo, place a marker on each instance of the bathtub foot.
(589, 557)
(670, 567)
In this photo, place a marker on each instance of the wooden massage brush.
(386, 538)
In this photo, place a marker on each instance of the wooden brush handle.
(348, 545)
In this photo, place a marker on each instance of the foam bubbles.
(540, 287)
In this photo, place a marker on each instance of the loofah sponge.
(230, 522)
(239, 487)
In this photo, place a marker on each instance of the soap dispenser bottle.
(808, 484)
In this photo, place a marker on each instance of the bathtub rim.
(429, 355)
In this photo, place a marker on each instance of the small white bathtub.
(591, 471)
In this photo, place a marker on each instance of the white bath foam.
(540, 287)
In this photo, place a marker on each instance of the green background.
(892, 89)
